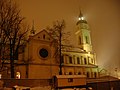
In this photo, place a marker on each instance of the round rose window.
(43, 53)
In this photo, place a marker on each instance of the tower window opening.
(86, 38)
(80, 40)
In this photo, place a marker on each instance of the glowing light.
(81, 18)
(0, 76)
(18, 75)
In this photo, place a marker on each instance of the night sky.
(103, 17)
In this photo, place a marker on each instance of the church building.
(38, 61)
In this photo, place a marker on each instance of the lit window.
(17, 75)
(0, 76)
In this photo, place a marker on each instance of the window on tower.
(80, 40)
(87, 40)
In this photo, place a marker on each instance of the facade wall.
(78, 63)
(42, 71)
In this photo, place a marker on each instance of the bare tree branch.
(12, 32)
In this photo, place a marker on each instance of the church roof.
(42, 35)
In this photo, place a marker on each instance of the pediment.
(42, 35)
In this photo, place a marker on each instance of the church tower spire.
(32, 32)
(81, 16)
(83, 34)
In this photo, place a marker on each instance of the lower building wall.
(9, 83)
(25, 82)
(42, 71)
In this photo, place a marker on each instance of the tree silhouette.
(12, 32)
(57, 32)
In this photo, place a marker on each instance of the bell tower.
(83, 34)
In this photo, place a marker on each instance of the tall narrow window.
(85, 61)
(17, 75)
(86, 38)
(95, 74)
(78, 60)
(44, 36)
(80, 40)
(88, 75)
(70, 59)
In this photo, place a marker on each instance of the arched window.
(78, 60)
(17, 75)
(44, 36)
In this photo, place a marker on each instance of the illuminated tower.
(83, 34)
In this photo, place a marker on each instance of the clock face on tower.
(43, 53)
